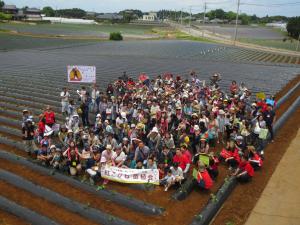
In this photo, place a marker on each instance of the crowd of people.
(183, 128)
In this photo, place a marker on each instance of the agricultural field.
(14, 42)
(32, 74)
(101, 30)
(250, 32)
(290, 44)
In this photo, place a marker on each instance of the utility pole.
(298, 43)
(181, 16)
(190, 19)
(236, 21)
(204, 13)
(204, 18)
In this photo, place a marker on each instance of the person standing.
(270, 117)
(28, 136)
(49, 116)
(65, 95)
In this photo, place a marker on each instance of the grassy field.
(289, 45)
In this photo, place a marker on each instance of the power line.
(271, 5)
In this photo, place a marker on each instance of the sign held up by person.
(81, 74)
(130, 176)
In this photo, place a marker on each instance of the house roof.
(33, 10)
(110, 16)
(11, 7)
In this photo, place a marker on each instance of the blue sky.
(147, 5)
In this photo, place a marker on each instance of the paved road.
(280, 201)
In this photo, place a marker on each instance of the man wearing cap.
(28, 136)
(43, 154)
(25, 116)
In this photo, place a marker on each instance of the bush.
(4, 16)
(115, 36)
(293, 27)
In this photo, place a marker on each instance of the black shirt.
(269, 117)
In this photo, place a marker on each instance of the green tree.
(230, 15)
(244, 18)
(1, 4)
(293, 27)
(71, 13)
(48, 11)
(220, 14)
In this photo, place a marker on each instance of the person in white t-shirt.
(119, 156)
(64, 95)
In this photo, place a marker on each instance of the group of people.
(183, 128)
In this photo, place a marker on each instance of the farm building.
(67, 20)
(33, 14)
(109, 16)
(10, 9)
(151, 16)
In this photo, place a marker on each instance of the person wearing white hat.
(25, 115)
(221, 125)
(154, 138)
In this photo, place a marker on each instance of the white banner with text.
(132, 176)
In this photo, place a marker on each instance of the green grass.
(288, 45)
(176, 34)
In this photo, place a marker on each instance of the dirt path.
(282, 191)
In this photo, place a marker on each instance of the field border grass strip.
(67, 203)
(127, 201)
(216, 202)
(24, 213)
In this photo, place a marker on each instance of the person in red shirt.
(254, 158)
(230, 155)
(49, 116)
(245, 171)
(186, 152)
(204, 180)
(41, 127)
(234, 88)
(182, 161)
(262, 105)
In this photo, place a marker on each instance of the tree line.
(293, 23)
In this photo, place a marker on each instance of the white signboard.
(133, 176)
(82, 74)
